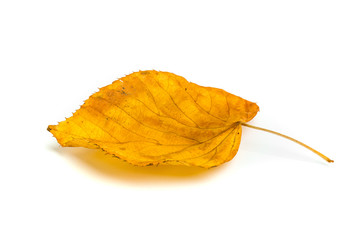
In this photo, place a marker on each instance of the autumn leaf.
(152, 118)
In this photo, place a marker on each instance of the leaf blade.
(151, 118)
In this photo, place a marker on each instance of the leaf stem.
(289, 138)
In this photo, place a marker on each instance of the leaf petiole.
(289, 138)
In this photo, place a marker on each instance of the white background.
(298, 60)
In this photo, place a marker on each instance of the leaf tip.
(50, 127)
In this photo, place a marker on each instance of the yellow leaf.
(151, 118)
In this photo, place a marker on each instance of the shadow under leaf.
(114, 168)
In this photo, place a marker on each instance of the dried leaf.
(151, 118)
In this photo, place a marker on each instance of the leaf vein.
(208, 151)
(143, 123)
(119, 125)
(178, 106)
(201, 142)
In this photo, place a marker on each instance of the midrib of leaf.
(217, 135)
